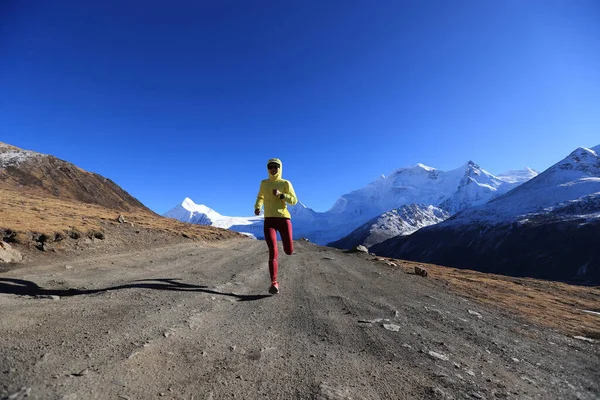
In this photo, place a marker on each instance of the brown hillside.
(49, 204)
(45, 175)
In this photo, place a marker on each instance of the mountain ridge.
(42, 174)
(548, 227)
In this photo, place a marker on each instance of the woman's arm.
(260, 198)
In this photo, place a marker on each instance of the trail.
(194, 321)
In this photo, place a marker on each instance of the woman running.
(274, 193)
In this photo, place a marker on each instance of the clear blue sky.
(176, 99)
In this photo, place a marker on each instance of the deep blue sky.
(189, 99)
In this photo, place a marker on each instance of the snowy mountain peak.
(581, 159)
(190, 206)
(425, 167)
(582, 152)
(193, 213)
(417, 169)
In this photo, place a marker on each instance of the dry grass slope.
(25, 214)
(553, 304)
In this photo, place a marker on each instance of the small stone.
(528, 380)
(392, 327)
(82, 373)
(47, 296)
(438, 355)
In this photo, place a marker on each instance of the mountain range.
(450, 191)
(548, 227)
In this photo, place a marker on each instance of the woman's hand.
(277, 192)
(257, 212)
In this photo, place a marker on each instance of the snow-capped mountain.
(548, 227)
(397, 222)
(193, 213)
(575, 179)
(452, 191)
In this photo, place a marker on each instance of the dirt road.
(194, 321)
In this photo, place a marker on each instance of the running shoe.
(274, 289)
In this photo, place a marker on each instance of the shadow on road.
(28, 288)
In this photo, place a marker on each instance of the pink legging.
(284, 226)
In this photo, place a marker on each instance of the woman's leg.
(271, 239)
(285, 230)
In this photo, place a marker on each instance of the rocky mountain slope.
(401, 221)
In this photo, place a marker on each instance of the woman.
(274, 193)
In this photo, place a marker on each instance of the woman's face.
(273, 168)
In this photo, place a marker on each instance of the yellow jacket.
(274, 206)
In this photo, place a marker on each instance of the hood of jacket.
(277, 176)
